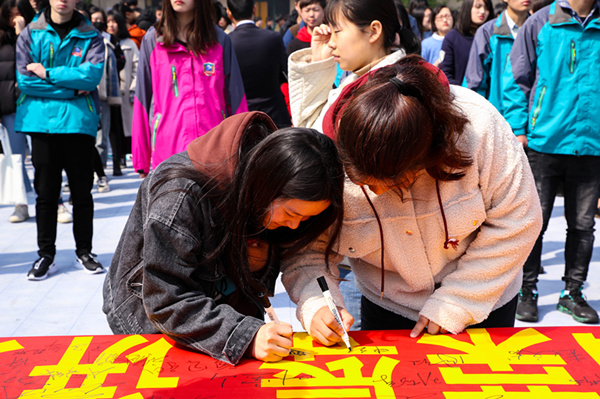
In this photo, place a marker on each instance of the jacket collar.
(559, 15)
(501, 27)
(83, 29)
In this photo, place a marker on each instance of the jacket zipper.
(89, 103)
(21, 99)
(174, 81)
(538, 107)
(154, 130)
(572, 60)
(51, 55)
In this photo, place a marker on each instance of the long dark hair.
(122, 32)
(464, 23)
(7, 31)
(389, 133)
(292, 163)
(410, 41)
(200, 33)
(362, 12)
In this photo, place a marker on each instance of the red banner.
(511, 363)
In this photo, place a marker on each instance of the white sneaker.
(64, 216)
(20, 214)
(103, 186)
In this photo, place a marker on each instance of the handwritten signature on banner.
(473, 368)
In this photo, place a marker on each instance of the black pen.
(268, 308)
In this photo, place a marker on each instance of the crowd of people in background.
(138, 85)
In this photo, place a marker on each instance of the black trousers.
(51, 153)
(374, 317)
(580, 180)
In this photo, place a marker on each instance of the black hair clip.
(406, 90)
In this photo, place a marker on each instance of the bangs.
(333, 11)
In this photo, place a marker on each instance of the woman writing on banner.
(209, 229)
(440, 212)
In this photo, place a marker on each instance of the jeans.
(580, 177)
(374, 317)
(103, 134)
(51, 153)
(351, 296)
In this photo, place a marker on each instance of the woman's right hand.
(19, 24)
(318, 44)
(325, 329)
(272, 342)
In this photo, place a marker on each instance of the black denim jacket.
(154, 284)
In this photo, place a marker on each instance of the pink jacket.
(180, 97)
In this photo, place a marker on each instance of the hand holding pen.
(273, 340)
(326, 330)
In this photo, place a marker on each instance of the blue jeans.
(351, 296)
(103, 134)
(580, 177)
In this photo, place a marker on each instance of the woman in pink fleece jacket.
(440, 209)
(188, 81)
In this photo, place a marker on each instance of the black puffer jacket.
(8, 78)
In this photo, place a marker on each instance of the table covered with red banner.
(511, 363)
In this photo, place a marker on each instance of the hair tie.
(406, 90)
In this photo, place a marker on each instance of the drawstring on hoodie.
(449, 241)
(381, 236)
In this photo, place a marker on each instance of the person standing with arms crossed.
(60, 61)
(550, 102)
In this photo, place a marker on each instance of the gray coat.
(155, 283)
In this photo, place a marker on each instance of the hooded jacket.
(492, 214)
(155, 283)
(488, 59)
(551, 91)
(180, 96)
(73, 65)
(311, 83)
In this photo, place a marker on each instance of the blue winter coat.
(73, 65)
(488, 59)
(553, 95)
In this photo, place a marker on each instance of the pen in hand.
(268, 308)
(336, 314)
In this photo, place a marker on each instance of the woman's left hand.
(432, 328)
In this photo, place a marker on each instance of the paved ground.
(70, 301)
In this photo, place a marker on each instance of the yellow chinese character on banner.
(96, 372)
(499, 358)
(535, 392)
(590, 344)
(303, 380)
(9, 346)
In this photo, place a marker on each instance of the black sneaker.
(527, 309)
(574, 304)
(41, 269)
(89, 263)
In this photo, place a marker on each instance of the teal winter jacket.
(67, 100)
(488, 59)
(551, 93)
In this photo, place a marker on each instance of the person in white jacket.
(441, 209)
(361, 35)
